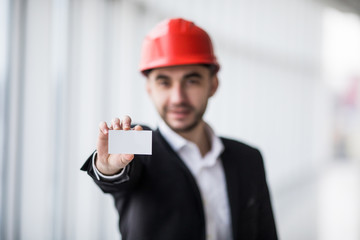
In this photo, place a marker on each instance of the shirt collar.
(177, 142)
(217, 147)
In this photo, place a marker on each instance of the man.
(195, 185)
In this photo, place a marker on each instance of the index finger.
(103, 128)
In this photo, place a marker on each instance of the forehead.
(179, 71)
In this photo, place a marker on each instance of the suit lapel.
(173, 156)
(231, 177)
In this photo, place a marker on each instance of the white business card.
(130, 142)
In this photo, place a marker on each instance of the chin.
(182, 126)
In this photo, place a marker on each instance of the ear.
(148, 88)
(214, 85)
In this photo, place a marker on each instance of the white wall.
(75, 63)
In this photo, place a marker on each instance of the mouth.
(179, 113)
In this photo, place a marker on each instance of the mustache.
(179, 107)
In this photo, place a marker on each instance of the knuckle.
(124, 161)
(127, 118)
(102, 125)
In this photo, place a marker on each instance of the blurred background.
(289, 85)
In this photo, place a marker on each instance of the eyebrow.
(192, 74)
(162, 76)
(189, 75)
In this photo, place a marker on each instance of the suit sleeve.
(266, 227)
(123, 183)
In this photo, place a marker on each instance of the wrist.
(106, 170)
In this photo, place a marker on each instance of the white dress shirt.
(209, 175)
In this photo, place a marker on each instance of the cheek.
(198, 98)
(159, 99)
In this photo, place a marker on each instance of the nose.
(177, 94)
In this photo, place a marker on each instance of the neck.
(199, 136)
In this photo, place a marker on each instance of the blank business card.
(130, 142)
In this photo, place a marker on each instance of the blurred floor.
(321, 206)
(339, 201)
(296, 209)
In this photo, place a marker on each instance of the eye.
(193, 81)
(163, 82)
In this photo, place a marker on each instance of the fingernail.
(105, 131)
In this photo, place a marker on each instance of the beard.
(196, 115)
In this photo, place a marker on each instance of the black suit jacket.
(158, 198)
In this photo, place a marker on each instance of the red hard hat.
(177, 42)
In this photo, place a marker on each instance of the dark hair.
(147, 72)
(211, 67)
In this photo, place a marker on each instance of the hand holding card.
(110, 164)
